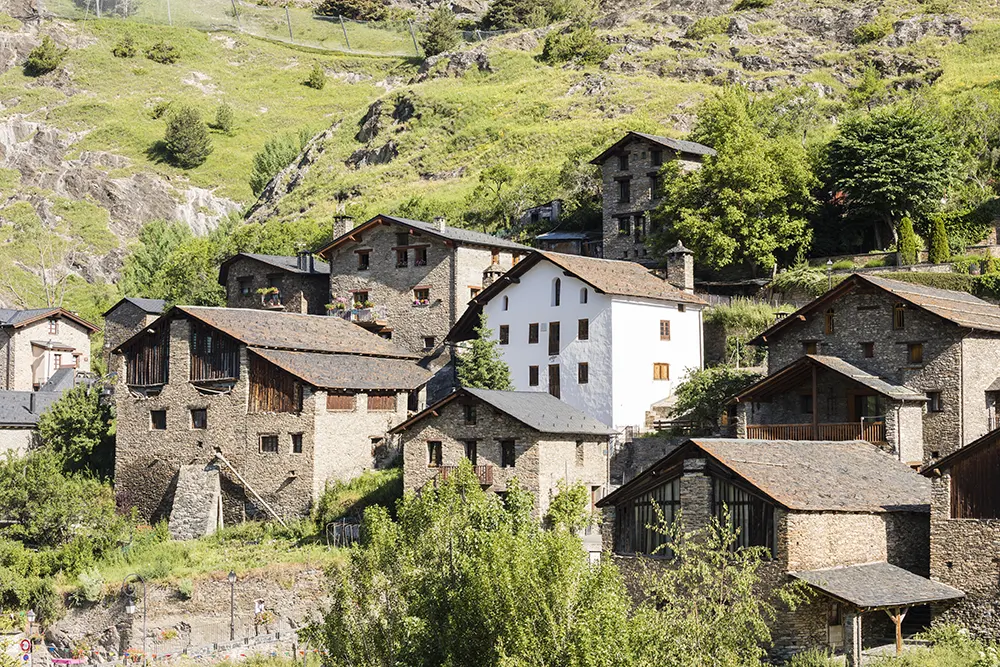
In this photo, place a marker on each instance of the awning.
(877, 586)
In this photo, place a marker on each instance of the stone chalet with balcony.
(298, 284)
(226, 412)
(630, 174)
(533, 437)
(36, 343)
(846, 518)
(914, 369)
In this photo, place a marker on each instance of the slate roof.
(538, 410)
(454, 234)
(150, 306)
(348, 371)
(289, 264)
(15, 406)
(14, 318)
(679, 145)
(565, 236)
(877, 586)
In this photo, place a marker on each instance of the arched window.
(506, 302)
(583, 295)
(829, 321)
(556, 291)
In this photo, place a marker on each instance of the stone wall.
(298, 292)
(817, 540)
(632, 458)
(121, 324)
(18, 440)
(981, 364)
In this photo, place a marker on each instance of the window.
(434, 454)
(296, 443)
(471, 451)
(246, 285)
(533, 333)
(554, 380)
(340, 401)
(199, 418)
(515, 258)
(381, 401)
(935, 404)
(495, 257)
(915, 353)
(428, 342)
(806, 404)
(269, 444)
(556, 292)
(899, 316)
(359, 298)
(583, 372)
(508, 454)
(656, 157)
(158, 420)
(53, 327)
(506, 303)
(532, 376)
(751, 518)
(504, 334)
(808, 347)
(376, 443)
(469, 413)
(364, 260)
(623, 162)
(583, 329)
(654, 185)
(640, 228)
(583, 295)
(661, 371)
(664, 329)
(624, 226)
(402, 259)
(579, 452)
(633, 532)
(402, 238)
(828, 321)
(421, 296)
(474, 291)
(868, 350)
(681, 308)
(420, 257)
(624, 191)
(553, 338)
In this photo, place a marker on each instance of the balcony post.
(815, 401)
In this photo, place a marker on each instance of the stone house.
(630, 176)
(549, 212)
(506, 434)
(588, 244)
(607, 337)
(297, 284)
(20, 411)
(125, 318)
(844, 517)
(274, 404)
(965, 532)
(36, 343)
(912, 368)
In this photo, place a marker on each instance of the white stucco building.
(607, 337)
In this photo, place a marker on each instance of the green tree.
(225, 121)
(907, 242)
(189, 275)
(157, 239)
(360, 10)
(44, 58)
(441, 32)
(276, 154)
(125, 48)
(938, 252)
(481, 366)
(892, 162)
(164, 53)
(569, 509)
(704, 393)
(186, 138)
(317, 77)
(868, 90)
(80, 428)
(580, 44)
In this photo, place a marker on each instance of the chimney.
(341, 225)
(31, 402)
(680, 268)
(491, 274)
(439, 223)
(305, 261)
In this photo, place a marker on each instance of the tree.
(189, 275)
(481, 366)
(703, 393)
(868, 90)
(80, 428)
(317, 77)
(890, 163)
(569, 508)
(164, 53)
(225, 120)
(44, 58)
(441, 32)
(186, 138)
(907, 242)
(276, 154)
(581, 45)
(157, 239)
(939, 252)
(359, 10)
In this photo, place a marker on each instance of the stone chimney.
(439, 223)
(491, 274)
(305, 261)
(680, 268)
(341, 225)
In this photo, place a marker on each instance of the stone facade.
(122, 322)
(298, 291)
(541, 459)
(27, 362)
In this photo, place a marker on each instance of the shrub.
(964, 264)
(842, 265)
(361, 10)
(316, 78)
(582, 45)
(44, 58)
(163, 53)
(186, 138)
(91, 586)
(276, 154)
(811, 658)
(161, 109)
(185, 589)
(741, 5)
(441, 32)
(224, 120)
(125, 48)
(350, 498)
(707, 26)
(871, 31)
(938, 252)
(907, 242)
(875, 262)
(810, 280)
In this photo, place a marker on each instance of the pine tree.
(44, 58)
(481, 366)
(938, 252)
(187, 138)
(441, 33)
(317, 77)
(907, 242)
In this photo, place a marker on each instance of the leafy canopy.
(80, 428)
(704, 392)
(481, 366)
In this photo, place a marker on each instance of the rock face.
(291, 176)
(365, 156)
(910, 30)
(454, 64)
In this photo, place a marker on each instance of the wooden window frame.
(203, 412)
(429, 343)
(868, 349)
(915, 353)
(402, 258)
(899, 316)
(470, 414)
(583, 372)
(508, 453)
(810, 347)
(532, 376)
(435, 453)
(364, 260)
(661, 371)
(381, 401)
(420, 256)
(417, 291)
(829, 322)
(555, 381)
(583, 329)
(153, 421)
(53, 327)
(471, 450)
(935, 402)
(504, 334)
(341, 401)
(298, 442)
(533, 333)
(261, 437)
(245, 285)
(555, 338)
(664, 329)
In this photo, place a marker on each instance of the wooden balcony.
(484, 473)
(871, 431)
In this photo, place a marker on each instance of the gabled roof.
(799, 370)
(149, 306)
(687, 147)
(877, 586)
(803, 475)
(455, 235)
(286, 263)
(988, 440)
(960, 308)
(538, 410)
(348, 371)
(605, 276)
(15, 319)
(21, 409)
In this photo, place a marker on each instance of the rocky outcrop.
(454, 64)
(913, 29)
(291, 176)
(366, 156)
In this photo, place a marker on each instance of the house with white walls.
(608, 337)
(36, 343)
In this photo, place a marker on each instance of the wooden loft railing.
(872, 431)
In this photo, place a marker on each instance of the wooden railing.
(484, 473)
(873, 432)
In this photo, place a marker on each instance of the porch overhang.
(875, 586)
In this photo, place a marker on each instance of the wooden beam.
(815, 402)
(897, 620)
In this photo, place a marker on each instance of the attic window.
(623, 162)
(899, 316)
(53, 327)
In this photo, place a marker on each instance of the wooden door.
(554, 379)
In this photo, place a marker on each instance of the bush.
(350, 498)
(186, 138)
(91, 586)
(163, 53)
(44, 58)
(842, 265)
(811, 658)
(125, 48)
(276, 154)
(161, 109)
(707, 26)
(872, 31)
(224, 119)
(79, 428)
(185, 589)
(907, 242)
(807, 279)
(582, 45)
(938, 252)
(360, 10)
(316, 78)
(441, 32)
(741, 5)
(876, 263)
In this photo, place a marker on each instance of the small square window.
(532, 376)
(434, 454)
(935, 404)
(583, 329)
(868, 350)
(422, 296)
(269, 444)
(471, 451)
(364, 260)
(508, 454)
(158, 420)
(199, 418)
(533, 333)
(808, 347)
(359, 298)
(681, 308)
(474, 292)
(661, 371)
(504, 334)
(246, 285)
(420, 257)
(469, 412)
(915, 353)
(664, 329)
(296, 443)
(583, 372)
(428, 343)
